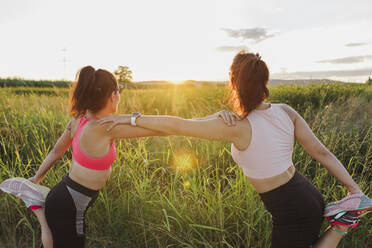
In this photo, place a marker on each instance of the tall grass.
(177, 191)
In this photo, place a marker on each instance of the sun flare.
(177, 81)
(183, 161)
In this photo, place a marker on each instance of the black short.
(65, 209)
(297, 213)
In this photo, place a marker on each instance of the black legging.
(65, 209)
(297, 212)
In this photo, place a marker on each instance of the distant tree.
(369, 81)
(123, 74)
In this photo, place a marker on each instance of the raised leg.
(46, 234)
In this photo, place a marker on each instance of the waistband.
(277, 193)
(80, 188)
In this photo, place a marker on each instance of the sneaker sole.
(339, 210)
(342, 206)
(30, 193)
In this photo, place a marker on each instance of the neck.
(102, 113)
(263, 105)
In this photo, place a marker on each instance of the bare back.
(95, 143)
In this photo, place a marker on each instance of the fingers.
(109, 121)
(228, 117)
(236, 116)
(102, 121)
(110, 126)
(224, 118)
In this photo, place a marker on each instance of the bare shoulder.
(72, 126)
(241, 126)
(290, 111)
(238, 129)
(244, 131)
(97, 128)
(244, 123)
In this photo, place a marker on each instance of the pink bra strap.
(82, 122)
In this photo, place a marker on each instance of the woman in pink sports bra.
(95, 94)
(262, 145)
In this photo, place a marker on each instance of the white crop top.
(270, 150)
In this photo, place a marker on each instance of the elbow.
(56, 154)
(174, 125)
(322, 152)
(163, 134)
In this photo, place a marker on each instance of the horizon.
(187, 40)
(300, 80)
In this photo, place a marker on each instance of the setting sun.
(177, 82)
(169, 45)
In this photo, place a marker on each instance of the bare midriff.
(267, 184)
(92, 179)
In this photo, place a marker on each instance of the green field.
(176, 191)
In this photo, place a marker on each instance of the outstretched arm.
(211, 128)
(228, 117)
(128, 132)
(56, 153)
(319, 152)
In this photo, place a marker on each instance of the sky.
(186, 39)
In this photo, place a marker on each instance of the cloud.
(257, 34)
(325, 74)
(231, 48)
(347, 60)
(356, 44)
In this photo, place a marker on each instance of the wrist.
(354, 189)
(133, 118)
(35, 179)
(124, 119)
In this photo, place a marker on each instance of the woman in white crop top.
(262, 145)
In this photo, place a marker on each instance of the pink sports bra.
(270, 150)
(103, 163)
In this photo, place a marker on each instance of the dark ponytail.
(249, 76)
(91, 90)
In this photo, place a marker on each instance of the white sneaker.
(353, 202)
(31, 193)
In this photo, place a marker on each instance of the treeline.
(20, 82)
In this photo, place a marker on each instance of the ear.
(112, 97)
